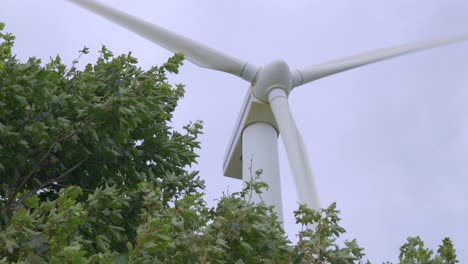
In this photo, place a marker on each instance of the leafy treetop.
(108, 124)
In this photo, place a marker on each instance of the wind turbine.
(265, 112)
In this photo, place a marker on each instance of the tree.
(62, 127)
(92, 172)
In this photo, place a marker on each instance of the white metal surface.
(273, 75)
(252, 111)
(260, 152)
(256, 108)
(318, 71)
(294, 145)
(194, 51)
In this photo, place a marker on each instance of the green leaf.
(93, 134)
(21, 100)
(10, 245)
(32, 202)
(164, 237)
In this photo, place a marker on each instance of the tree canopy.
(91, 171)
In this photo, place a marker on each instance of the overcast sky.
(388, 142)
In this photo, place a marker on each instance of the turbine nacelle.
(274, 75)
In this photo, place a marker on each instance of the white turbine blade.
(318, 71)
(295, 149)
(194, 51)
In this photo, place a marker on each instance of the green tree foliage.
(62, 127)
(92, 172)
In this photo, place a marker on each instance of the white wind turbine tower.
(265, 112)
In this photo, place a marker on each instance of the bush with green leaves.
(92, 172)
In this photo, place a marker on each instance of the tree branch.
(50, 181)
(16, 187)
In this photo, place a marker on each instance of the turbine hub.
(274, 75)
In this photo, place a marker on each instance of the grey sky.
(388, 142)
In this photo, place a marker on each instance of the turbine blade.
(194, 51)
(295, 149)
(318, 71)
